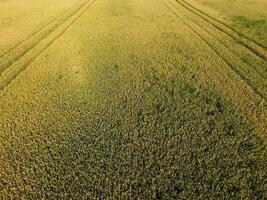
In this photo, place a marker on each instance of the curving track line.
(232, 67)
(254, 47)
(253, 75)
(21, 49)
(37, 31)
(247, 64)
(28, 57)
(226, 25)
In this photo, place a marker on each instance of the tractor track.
(36, 31)
(22, 48)
(229, 64)
(258, 50)
(244, 69)
(18, 66)
(226, 25)
(251, 66)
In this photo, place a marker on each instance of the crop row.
(15, 61)
(221, 65)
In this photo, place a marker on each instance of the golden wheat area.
(133, 99)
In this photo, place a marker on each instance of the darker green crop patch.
(187, 90)
(249, 23)
(152, 144)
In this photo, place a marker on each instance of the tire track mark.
(256, 49)
(36, 32)
(252, 75)
(241, 76)
(260, 72)
(23, 48)
(16, 68)
(226, 25)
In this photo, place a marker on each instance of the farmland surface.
(132, 99)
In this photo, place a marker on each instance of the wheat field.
(133, 99)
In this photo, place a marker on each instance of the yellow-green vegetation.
(20, 20)
(132, 99)
(249, 16)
